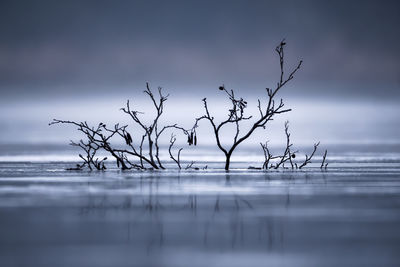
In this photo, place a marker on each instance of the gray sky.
(56, 54)
(53, 48)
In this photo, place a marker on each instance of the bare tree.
(90, 160)
(236, 113)
(144, 153)
(288, 155)
(100, 138)
(152, 131)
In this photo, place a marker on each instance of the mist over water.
(328, 121)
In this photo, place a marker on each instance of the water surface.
(347, 215)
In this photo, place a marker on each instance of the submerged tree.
(151, 132)
(145, 151)
(288, 155)
(90, 147)
(236, 112)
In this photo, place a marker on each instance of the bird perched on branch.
(128, 139)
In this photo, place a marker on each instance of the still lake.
(347, 215)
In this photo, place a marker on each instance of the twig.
(323, 164)
(308, 158)
(171, 144)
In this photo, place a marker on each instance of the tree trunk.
(227, 161)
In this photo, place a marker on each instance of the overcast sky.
(70, 50)
(61, 47)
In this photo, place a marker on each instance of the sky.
(83, 59)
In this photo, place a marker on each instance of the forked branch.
(288, 155)
(236, 113)
(99, 137)
(308, 158)
(177, 160)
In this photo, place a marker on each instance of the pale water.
(347, 215)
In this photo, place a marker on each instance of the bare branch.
(323, 163)
(267, 156)
(100, 136)
(91, 147)
(238, 106)
(308, 158)
(190, 166)
(171, 144)
(287, 154)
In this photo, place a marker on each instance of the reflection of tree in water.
(224, 220)
(241, 228)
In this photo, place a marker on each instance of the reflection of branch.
(249, 205)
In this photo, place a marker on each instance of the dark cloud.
(103, 44)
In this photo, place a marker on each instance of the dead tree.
(236, 115)
(100, 138)
(288, 155)
(90, 160)
(151, 132)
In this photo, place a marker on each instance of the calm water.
(348, 215)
